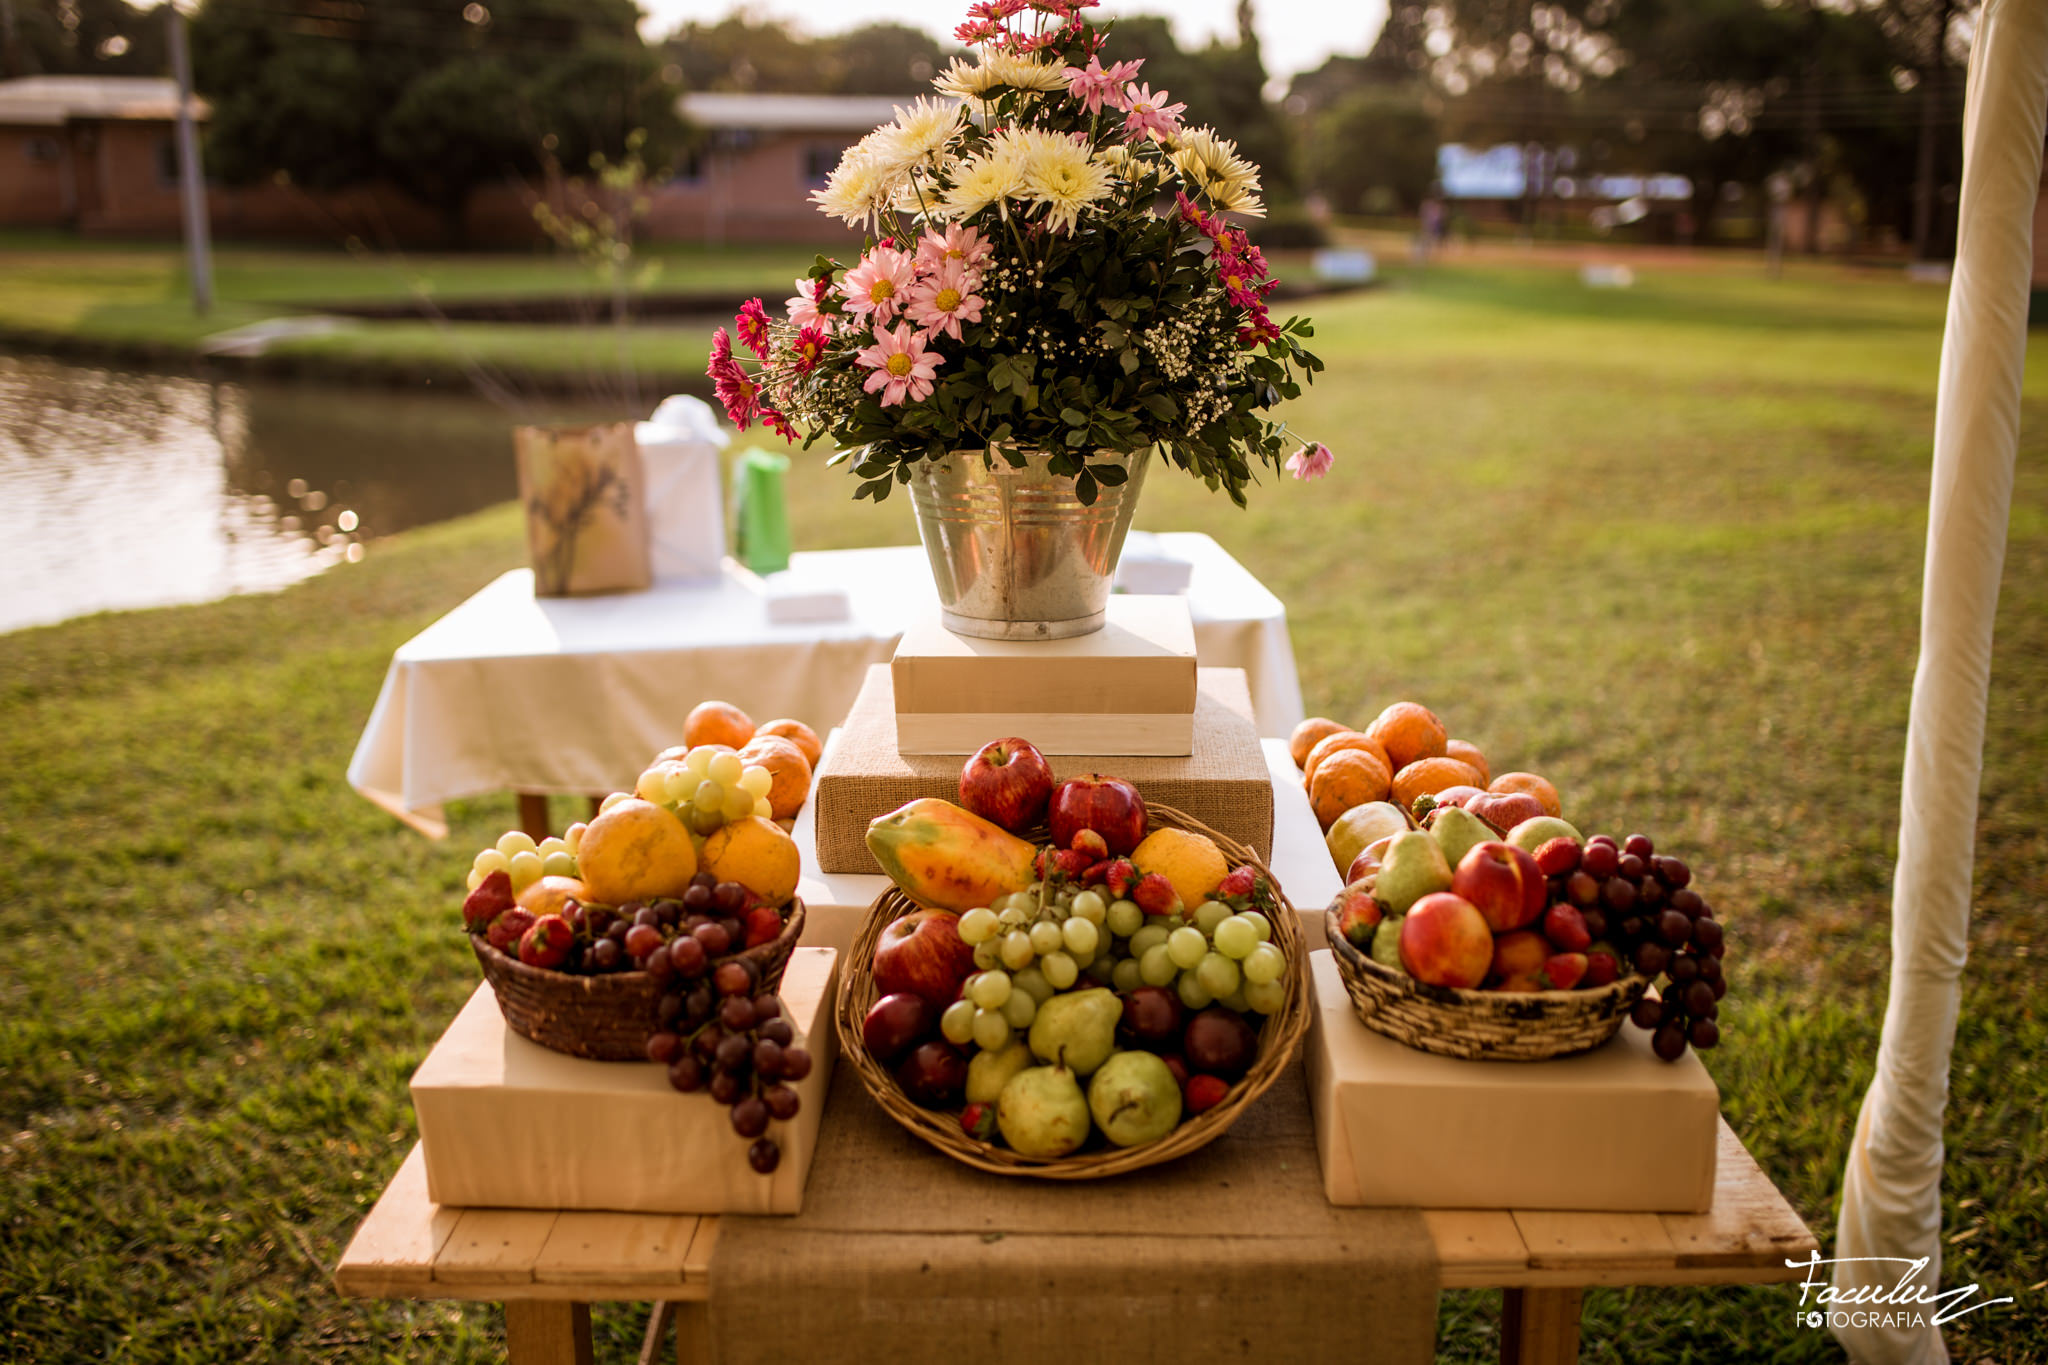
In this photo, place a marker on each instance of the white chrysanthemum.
(924, 130)
(1121, 161)
(972, 84)
(981, 182)
(861, 187)
(1059, 173)
(1212, 165)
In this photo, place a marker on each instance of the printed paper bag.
(586, 508)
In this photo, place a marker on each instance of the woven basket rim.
(1455, 996)
(589, 984)
(1279, 1040)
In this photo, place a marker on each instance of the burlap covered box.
(1224, 784)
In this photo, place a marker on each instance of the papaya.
(946, 856)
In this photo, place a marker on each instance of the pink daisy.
(808, 349)
(1260, 328)
(963, 244)
(947, 299)
(1095, 87)
(779, 424)
(751, 322)
(901, 365)
(875, 288)
(1311, 462)
(803, 305)
(1149, 115)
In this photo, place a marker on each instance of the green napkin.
(760, 515)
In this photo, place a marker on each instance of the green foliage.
(741, 52)
(86, 38)
(1374, 151)
(438, 101)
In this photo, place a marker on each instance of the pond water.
(129, 488)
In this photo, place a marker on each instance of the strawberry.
(1205, 1092)
(1096, 873)
(1603, 965)
(1565, 970)
(978, 1121)
(1242, 881)
(1120, 878)
(507, 928)
(492, 897)
(1089, 842)
(1070, 863)
(546, 942)
(1155, 895)
(764, 925)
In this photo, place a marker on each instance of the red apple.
(1505, 810)
(1008, 782)
(1458, 796)
(1445, 941)
(896, 1024)
(1503, 883)
(1364, 865)
(1108, 805)
(922, 954)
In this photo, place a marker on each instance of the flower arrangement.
(1052, 268)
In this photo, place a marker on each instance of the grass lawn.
(1663, 545)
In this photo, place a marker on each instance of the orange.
(756, 854)
(635, 851)
(788, 766)
(798, 733)
(1532, 785)
(1408, 732)
(717, 722)
(550, 895)
(1347, 778)
(1337, 743)
(1466, 752)
(1308, 733)
(1428, 776)
(1191, 861)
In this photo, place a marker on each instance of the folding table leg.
(1540, 1326)
(541, 1332)
(533, 815)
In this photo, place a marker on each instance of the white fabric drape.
(1891, 1195)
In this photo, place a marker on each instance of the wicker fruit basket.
(603, 1018)
(1279, 1040)
(1494, 1026)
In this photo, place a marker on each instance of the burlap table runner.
(903, 1254)
(1225, 783)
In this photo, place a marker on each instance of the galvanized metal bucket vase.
(1016, 555)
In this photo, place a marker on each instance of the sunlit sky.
(1294, 35)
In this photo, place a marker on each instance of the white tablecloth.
(509, 692)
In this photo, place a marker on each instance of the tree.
(1374, 151)
(84, 38)
(435, 100)
(739, 53)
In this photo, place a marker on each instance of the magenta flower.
(875, 288)
(946, 299)
(901, 365)
(965, 245)
(1311, 462)
(808, 349)
(739, 394)
(1095, 87)
(751, 322)
(1149, 115)
(803, 305)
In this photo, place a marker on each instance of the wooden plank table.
(547, 1268)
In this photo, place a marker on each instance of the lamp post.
(191, 181)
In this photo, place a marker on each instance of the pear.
(1414, 866)
(1078, 1030)
(1362, 825)
(1539, 830)
(1458, 832)
(1386, 943)
(1042, 1112)
(1134, 1098)
(989, 1072)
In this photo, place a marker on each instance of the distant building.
(94, 153)
(760, 156)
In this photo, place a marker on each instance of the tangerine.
(786, 764)
(1344, 779)
(1467, 752)
(1337, 743)
(1309, 733)
(717, 722)
(1191, 861)
(798, 733)
(1409, 731)
(1428, 776)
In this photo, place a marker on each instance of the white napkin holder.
(680, 449)
(792, 596)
